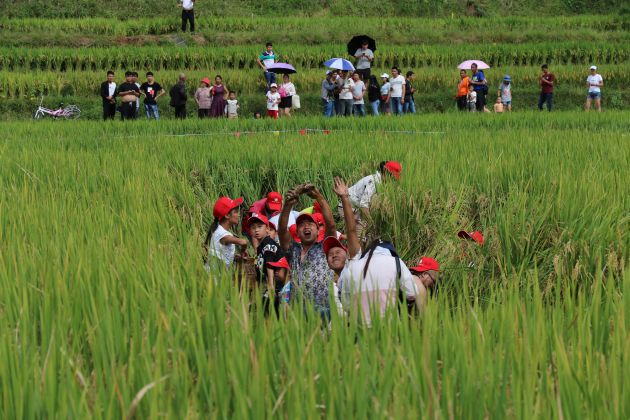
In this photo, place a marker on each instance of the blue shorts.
(506, 103)
(594, 95)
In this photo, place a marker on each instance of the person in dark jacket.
(108, 94)
(374, 94)
(179, 97)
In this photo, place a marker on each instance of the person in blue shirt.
(268, 59)
(478, 80)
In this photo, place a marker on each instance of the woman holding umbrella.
(287, 90)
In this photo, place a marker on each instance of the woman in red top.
(462, 90)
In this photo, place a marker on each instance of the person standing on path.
(128, 92)
(328, 94)
(358, 93)
(364, 56)
(374, 94)
(462, 90)
(409, 105)
(397, 91)
(505, 93)
(134, 79)
(179, 97)
(346, 101)
(287, 90)
(188, 14)
(203, 98)
(219, 95)
(108, 93)
(267, 59)
(547, 81)
(480, 85)
(151, 91)
(594, 82)
(385, 102)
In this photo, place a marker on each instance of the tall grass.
(102, 291)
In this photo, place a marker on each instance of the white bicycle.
(70, 112)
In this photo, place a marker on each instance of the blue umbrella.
(339, 64)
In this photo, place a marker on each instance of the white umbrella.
(466, 65)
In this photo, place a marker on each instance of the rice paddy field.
(106, 310)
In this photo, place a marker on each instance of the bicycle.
(70, 112)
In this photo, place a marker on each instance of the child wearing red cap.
(267, 250)
(425, 275)
(220, 242)
(361, 193)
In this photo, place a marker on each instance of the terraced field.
(66, 59)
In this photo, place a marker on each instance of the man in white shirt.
(594, 82)
(397, 91)
(188, 14)
(369, 285)
(364, 56)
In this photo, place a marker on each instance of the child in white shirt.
(273, 100)
(232, 106)
(471, 99)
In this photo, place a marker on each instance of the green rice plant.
(107, 311)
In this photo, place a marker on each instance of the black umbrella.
(357, 42)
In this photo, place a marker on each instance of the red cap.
(305, 217)
(425, 264)
(274, 201)
(394, 168)
(316, 207)
(224, 205)
(281, 263)
(206, 81)
(332, 242)
(473, 236)
(257, 216)
(318, 218)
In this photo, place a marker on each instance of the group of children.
(301, 254)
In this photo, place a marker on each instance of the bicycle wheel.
(37, 115)
(72, 112)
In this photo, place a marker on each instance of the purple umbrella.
(282, 68)
(468, 63)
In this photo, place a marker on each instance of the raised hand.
(341, 189)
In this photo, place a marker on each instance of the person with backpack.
(370, 285)
(179, 97)
(480, 85)
(374, 94)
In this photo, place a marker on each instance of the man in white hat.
(594, 82)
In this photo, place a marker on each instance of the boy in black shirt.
(129, 92)
(151, 91)
(267, 250)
